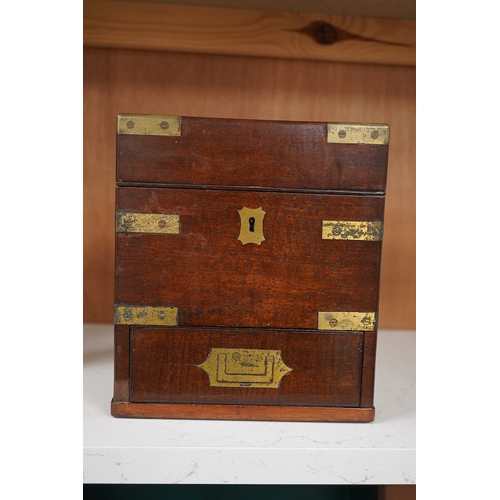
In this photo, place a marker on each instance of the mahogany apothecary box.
(247, 268)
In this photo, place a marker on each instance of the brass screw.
(374, 134)
(130, 124)
(342, 133)
(164, 125)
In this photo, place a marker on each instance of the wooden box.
(247, 268)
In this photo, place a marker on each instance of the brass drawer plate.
(245, 368)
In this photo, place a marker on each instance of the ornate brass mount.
(245, 368)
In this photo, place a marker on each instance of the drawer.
(237, 366)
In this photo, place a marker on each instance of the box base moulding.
(242, 412)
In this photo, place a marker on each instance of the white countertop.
(118, 450)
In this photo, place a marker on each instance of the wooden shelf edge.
(323, 37)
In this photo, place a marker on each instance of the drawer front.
(188, 365)
(199, 266)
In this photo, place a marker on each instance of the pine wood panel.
(392, 9)
(132, 81)
(211, 30)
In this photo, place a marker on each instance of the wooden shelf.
(212, 30)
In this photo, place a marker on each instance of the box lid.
(251, 154)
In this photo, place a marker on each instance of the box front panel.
(247, 259)
(206, 365)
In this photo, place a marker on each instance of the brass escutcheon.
(251, 228)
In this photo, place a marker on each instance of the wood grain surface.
(242, 412)
(122, 363)
(156, 26)
(213, 279)
(247, 153)
(326, 367)
(133, 81)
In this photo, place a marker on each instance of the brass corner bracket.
(128, 124)
(358, 133)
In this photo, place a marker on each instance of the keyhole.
(251, 223)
